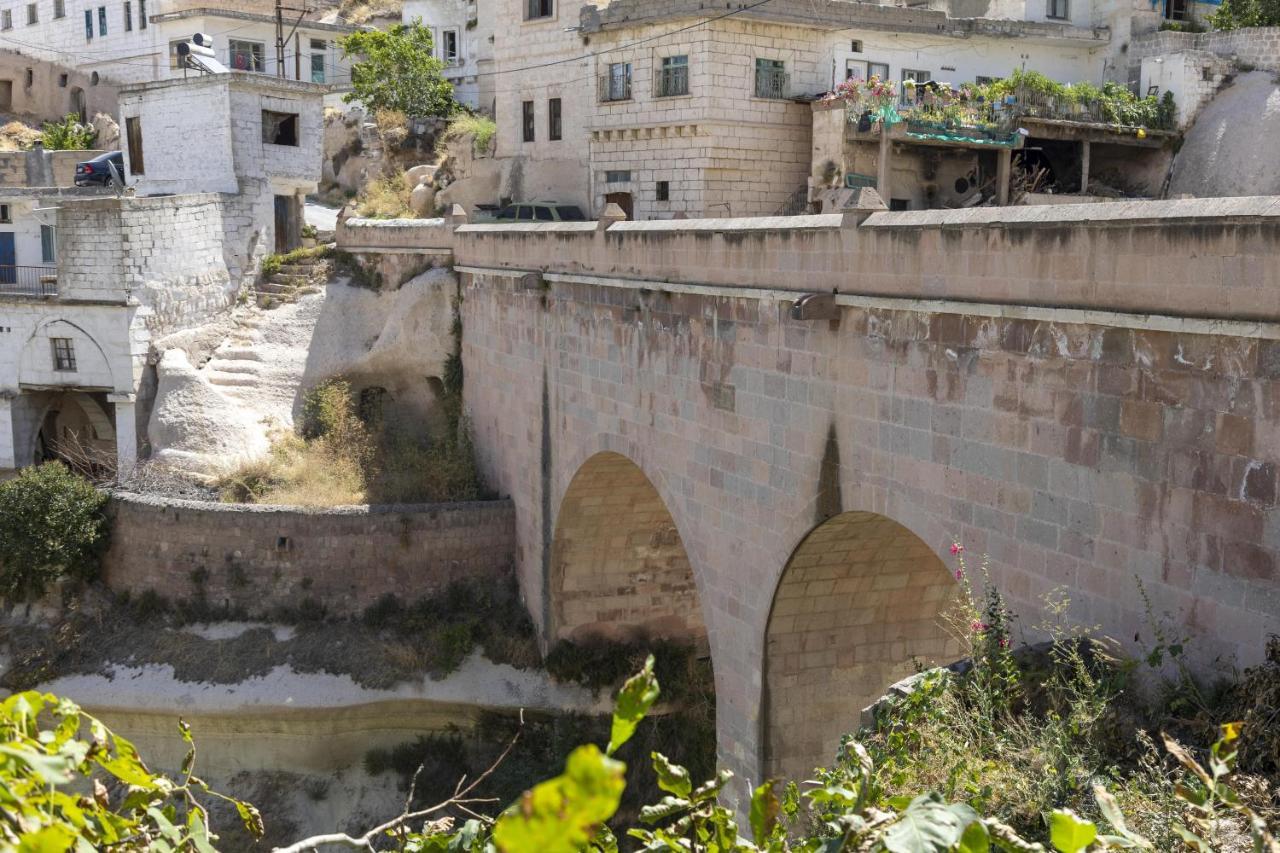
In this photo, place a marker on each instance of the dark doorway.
(622, 200)
(287, 231)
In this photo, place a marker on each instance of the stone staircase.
(288, 283)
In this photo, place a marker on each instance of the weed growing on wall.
(68, 134)
(52, 528)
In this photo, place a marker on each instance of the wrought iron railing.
(28, 281)
(773, 83)
(671, 81)
(615, 87)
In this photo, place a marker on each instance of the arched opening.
(858, 605)
(73, 426)
(618, 567)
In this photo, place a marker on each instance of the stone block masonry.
(261, 558)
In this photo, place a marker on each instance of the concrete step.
(245, 368)
(289, 278)
(304, 268)
(274, 286)
(221, 378)
(239, 352)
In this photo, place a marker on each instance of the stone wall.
(263, 557)
(1258, 47)
(356, 234)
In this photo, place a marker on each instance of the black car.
(96, 172)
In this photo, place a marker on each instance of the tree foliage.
(1237, 14)
(51, 527)
(395, 69)
(62, 791)
(68, 134)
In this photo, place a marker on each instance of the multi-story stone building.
(172, 253)
(670, 108)
(134, 41)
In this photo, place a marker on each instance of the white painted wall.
(25, 226)
(475, 44)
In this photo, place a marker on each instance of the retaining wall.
(1254, 46)
(263, 557)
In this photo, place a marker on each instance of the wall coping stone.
(162, 501)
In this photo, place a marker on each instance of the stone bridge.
(769, 433)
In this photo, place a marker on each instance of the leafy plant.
(481, 129)
(58, 786)
(68, 134)
(51, 527)
(396, 69)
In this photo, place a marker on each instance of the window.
(878, 69)
(855, 46)
(524, 212)
(175, 61)
(128, 16)
(319, 52)
(6, 20)
(62, 81)
(543, 214)
(664, 191)
(909, 93)
(554, 123)
(245, 55)
(64, 354)
(279, 128)
(142, 14)
(535, 9)
(133, 135)
(102, 20)
(31, 78)
(673, 77)
(33, 14)
(48, 244)
(88, 25)
(616, 84)
(980, 80)
(527, 115)
(617, 176)
(1177, 10)
(449, 46)
(59, 8)
(855, 69)
(4, 214)
(771, 78)
(1059, 9)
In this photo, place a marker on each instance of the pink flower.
(956, 548)
(959, 574)
(1004, 642)
(978, 627)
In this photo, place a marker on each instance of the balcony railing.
(774, 84)
(615, 87)
(671, 82)
(28, 281)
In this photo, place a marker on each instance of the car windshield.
(571, 213)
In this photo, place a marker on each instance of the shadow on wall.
(1221, 154)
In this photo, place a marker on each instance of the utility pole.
(279, 39)
(282, 39)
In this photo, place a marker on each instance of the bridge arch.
(619, 568)
(859, 601)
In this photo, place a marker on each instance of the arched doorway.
(618, 566)
(859, 603)
(75, 428)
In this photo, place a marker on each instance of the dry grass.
(386, 198)
(296, 473)
(18, 136)
(358, 12)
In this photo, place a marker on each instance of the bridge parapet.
(1198, 257)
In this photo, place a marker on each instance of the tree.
(51, 527)
(396, 70)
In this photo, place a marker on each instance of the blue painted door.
(8, 272)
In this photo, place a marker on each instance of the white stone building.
(667, 107)
(463, 34)
(134, 41)
(217, 167)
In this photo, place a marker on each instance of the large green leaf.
(672, 778)
(929, 825)
(562, 814)
(1069, 833)
(634, 701)
(764, 811)
(976, 839)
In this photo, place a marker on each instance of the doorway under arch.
(858, 605)
(74, 427)
(618, 566)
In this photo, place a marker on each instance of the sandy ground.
(322, 217)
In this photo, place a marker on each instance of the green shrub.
(481, 129)
(52, 527)
(68, 134)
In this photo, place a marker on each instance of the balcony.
(28, 281)
(671, 82)
(774, 84)
(615, 87)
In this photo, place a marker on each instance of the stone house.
(463, 34)
(217, 168)
(669, 109)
